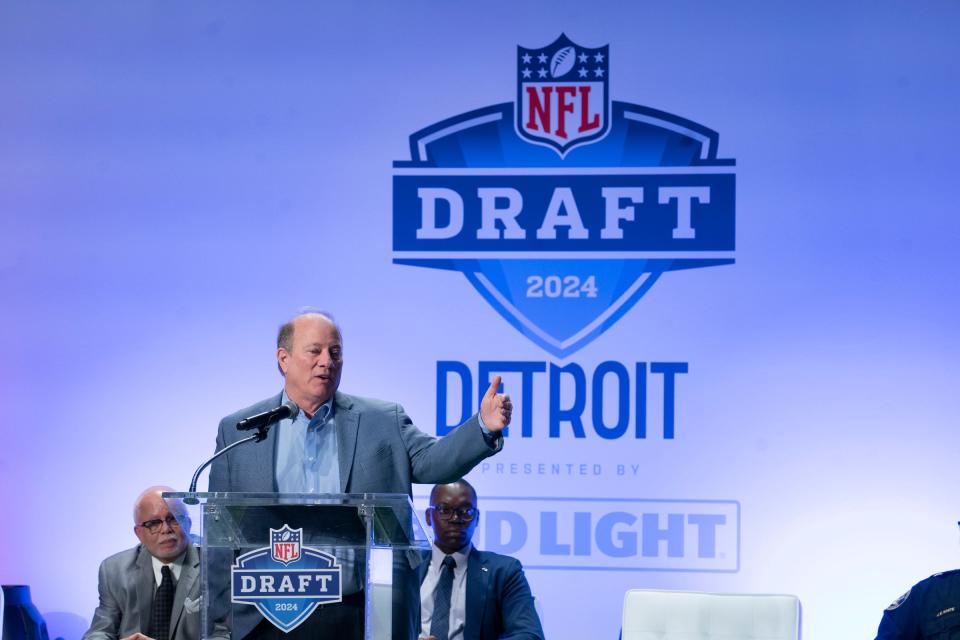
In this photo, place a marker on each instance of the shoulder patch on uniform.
(899, 601)
(945, 573)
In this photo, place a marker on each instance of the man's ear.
(428, 514)
(282, 355)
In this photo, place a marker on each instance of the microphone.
(289, 410)
(261, 422)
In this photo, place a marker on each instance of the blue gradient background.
(177, 177)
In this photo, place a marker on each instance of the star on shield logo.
(562, 94)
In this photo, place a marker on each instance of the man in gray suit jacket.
(130, 580)
(341, 443)
(378, 449)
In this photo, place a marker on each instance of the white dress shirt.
(175, 567)
(458, 595)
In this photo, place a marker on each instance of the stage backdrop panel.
(708, 246)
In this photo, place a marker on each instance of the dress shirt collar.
(460, 557)
(325, 412)
(176, 566)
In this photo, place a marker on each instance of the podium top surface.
(350, 519)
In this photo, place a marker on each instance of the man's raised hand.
(495, 408)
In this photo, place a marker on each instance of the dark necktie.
(440, 622)
(162, 606)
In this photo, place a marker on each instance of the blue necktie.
(440, 622)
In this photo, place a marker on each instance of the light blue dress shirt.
(307, 460)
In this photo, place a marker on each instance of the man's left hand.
(495, 408)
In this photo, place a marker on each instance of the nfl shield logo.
(562, 95)
(285, 544)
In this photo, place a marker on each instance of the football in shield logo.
(562, 94)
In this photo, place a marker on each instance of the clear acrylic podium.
(272, 560)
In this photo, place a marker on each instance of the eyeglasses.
(446, 513)
(172, 521)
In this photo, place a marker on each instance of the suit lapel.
(348, 424)
(146, 583)
(267, 454)
(478, 585)
(188, 575)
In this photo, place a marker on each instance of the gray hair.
(154, 493)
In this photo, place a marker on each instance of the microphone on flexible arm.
(259, 421)
(266, 418)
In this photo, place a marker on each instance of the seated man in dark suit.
(152, 591)
(465, 593)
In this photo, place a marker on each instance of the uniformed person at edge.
(929, 610)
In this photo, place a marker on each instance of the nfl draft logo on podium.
(286, 581)
(564, 208)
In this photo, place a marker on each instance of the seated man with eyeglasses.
(464, 592)
(152, 591)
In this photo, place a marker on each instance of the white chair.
(650, 614)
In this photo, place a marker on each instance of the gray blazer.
(126, 586)
(380, 450)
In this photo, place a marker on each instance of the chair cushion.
(684, 615)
